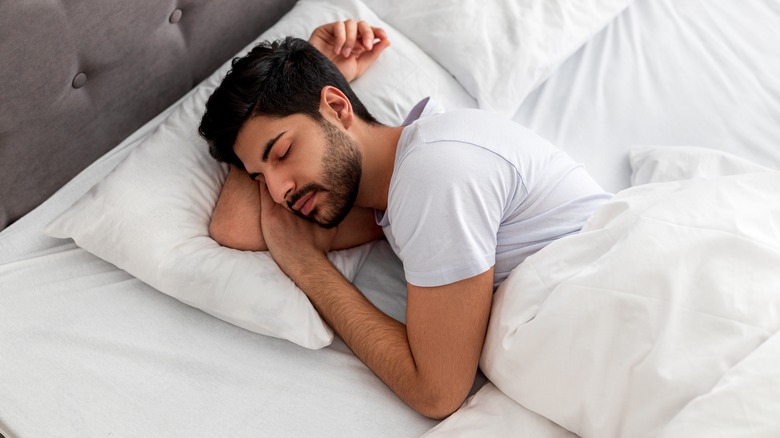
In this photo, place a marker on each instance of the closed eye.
(286, 153)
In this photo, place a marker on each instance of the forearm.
(236, 223)
(376, 339)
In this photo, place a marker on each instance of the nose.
(280, 186)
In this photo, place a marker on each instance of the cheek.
(312, 167)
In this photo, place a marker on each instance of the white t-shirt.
(471, 189)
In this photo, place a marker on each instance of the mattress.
(89, 350)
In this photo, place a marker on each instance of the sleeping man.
(463, 198)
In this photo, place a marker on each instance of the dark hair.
(276, 79)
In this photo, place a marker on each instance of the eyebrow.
(267, 152)
(270, 145)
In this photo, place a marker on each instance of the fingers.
(339, 36)
(350, 28)
(380, 34)
(266, 201)
(378, 47)
(354, 37)
(366, 35)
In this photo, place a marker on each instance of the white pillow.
(500, 50)
(655, 164)
(150, 216)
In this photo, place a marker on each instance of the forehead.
(254, 130)
(259, 127)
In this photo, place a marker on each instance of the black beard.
(342, 169)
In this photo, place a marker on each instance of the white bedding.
(667, 72)
(88, 350)
(668, 293)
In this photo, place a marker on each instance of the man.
(462, 197)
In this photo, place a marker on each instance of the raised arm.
(352, 45)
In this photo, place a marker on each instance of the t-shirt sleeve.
(445, 209)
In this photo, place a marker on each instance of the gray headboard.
(78, 76)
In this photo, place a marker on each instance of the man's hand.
(352, 46)
(291, 240)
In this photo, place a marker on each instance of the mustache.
(305, 190)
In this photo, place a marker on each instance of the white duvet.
(660, 318)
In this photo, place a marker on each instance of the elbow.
(439, 406)
(440, 410)
(227, 235)
(218, 233)
(438, 397)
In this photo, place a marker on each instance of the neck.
(378, 145)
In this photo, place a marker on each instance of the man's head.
(267, 117)
(275, 79)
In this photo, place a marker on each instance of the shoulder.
(447, 163)
(469, 139)
(448, 173)
(472, 126)
(480, 129)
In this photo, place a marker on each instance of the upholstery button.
(175, 16)
(79, 80)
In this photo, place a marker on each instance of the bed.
(120, 317)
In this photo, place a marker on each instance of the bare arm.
(235, 222)
(430, 362)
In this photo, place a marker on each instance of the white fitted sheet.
(87, 350)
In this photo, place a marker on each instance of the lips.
(305, 204)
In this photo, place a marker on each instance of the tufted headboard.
(78, 76)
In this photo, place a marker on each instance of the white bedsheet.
(88, 350)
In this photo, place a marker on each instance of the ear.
(335, 106)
